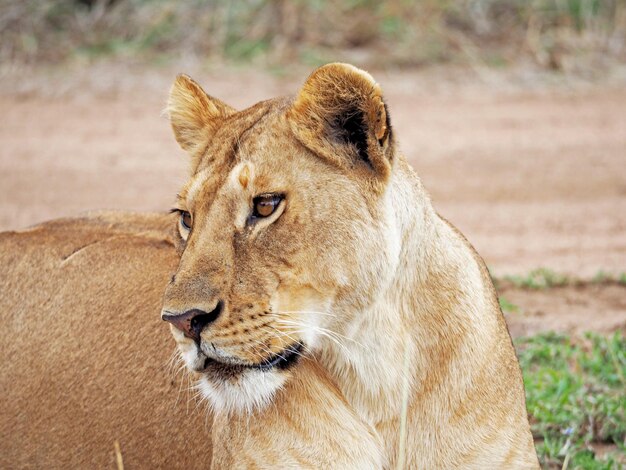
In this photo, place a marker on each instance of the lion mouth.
(287, 358)
(281, 361)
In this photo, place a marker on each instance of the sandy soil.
(572, 309)
(533, 176)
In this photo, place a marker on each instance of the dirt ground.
(533, 174)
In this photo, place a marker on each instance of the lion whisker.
(316, 312)
(322, 331)
(338, 335)
(263, 346)
(283, 333)
(317, 328)
(270, 353)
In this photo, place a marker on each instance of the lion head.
(284, 230)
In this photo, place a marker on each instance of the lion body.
(83, 347)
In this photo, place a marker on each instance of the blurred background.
(512, 112)
(572, 35)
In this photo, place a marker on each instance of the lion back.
(85, 352)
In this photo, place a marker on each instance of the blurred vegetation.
(544, 278)
(576, 398)
(540, 278)
(553, 33)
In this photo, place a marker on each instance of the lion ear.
(193, 114)
(340, 114)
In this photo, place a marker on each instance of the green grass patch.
(507, 306)
(575, 392)
(603, 277)
(540, 278)
(544, 278)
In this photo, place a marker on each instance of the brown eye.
(264, 206)
(185, 220)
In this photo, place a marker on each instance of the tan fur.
(87, 364)
(85, 355)
(357, 266)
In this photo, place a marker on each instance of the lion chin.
(233, 387)
(245, 392)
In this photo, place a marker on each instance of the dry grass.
(118, 456)
(553, 33)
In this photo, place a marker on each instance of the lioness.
(303, 231)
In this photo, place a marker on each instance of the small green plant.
(507, 306)
(575, 393)
(601, 277)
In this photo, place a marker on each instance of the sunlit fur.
(86, 354)
(384, 293)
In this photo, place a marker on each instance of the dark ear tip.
(388, 130)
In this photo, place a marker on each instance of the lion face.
(283, 229)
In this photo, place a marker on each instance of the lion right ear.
(340, 115)
(193, 114)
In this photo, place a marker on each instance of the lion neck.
(421, 315)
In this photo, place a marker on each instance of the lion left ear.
(340, 114)
(194, 115)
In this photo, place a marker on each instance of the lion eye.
(266, 205)
(185, 220)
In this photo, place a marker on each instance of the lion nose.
(193, 321)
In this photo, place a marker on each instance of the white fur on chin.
(253, 390)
